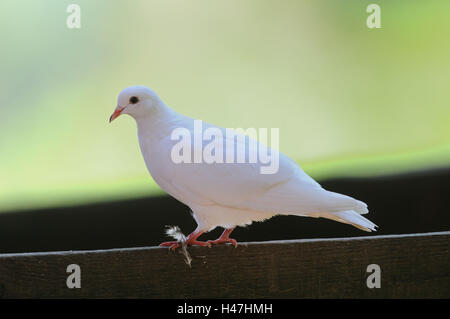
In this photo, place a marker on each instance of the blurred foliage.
(348, 100)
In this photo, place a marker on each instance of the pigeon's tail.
(353, 218)
(348, 217)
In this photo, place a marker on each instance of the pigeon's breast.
(157, 157)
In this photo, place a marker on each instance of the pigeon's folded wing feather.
(228, 184)
(298, 198)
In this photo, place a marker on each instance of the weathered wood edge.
(270, 242)
(412, 266)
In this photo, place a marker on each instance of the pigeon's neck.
(157, 124)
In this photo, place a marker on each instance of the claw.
(223, 241)
(171, 244)
(168, 243)
(190, 241)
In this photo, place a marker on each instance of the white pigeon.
(227, 194)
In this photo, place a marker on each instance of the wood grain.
(412, 266)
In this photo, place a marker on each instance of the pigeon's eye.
(134, 100)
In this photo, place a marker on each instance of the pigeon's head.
(137, 101)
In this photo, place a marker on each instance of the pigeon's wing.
(242, 185)
(298, 198)
(226, 183)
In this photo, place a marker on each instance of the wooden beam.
(412, 266)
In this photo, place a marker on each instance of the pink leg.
(224, 238)
(190, 240)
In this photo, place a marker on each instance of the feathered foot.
(190, 241)
(224, 238)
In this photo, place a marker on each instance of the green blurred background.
(349, 101)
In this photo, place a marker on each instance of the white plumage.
(228, 194)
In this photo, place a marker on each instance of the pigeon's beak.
(116, 113)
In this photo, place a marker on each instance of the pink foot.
(223, 239)
(190, 241)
